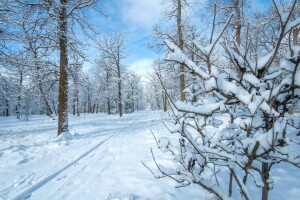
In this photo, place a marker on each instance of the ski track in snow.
(27, 193)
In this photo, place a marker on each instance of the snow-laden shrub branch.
(239, 123)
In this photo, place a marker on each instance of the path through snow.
(101, 160)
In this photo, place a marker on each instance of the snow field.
(101, 160)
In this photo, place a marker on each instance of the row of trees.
(241, 84)
(41, 63)
(92, 91)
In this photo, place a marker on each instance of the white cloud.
(142, 66)
(141, 13)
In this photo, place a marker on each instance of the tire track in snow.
(28, 192)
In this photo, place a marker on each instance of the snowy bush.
(239, 122)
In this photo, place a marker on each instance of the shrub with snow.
(240, 123)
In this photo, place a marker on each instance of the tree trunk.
(120, 98)
(295, 35)
(54, 109)
(230, 185)
(157, 102)
(180, 44)
(77, 106)
(63, 76)
(88, 100)
(119, 85)
(76, 92)
(108, 106)
(94, 108)
(6, 108)
(239, 22)
(265, 175)
(40, 86)
(165, 102)
(75, 101)
(91, 107)
(18, 108)
(97, 108)
(84, 107)
(74, 107)
(133, 101)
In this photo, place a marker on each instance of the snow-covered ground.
(102, 160)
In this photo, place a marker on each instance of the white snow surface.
(102, 159)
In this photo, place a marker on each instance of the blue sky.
(136, 18)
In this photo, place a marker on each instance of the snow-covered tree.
(239, 122)
(133, 91)
(59, 18)
(112, 48)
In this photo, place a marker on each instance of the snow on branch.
(237, 119)
(177, 55)
(207, 50)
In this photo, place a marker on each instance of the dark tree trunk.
(18, 108)
(108, 106)
(94, 108)
(180, 44)
(74, 110)
(91, 107)
(63, 76)
(84, 107)
(265, 176)
(6, 108)
(76, 92)
(133, 103)
(120, 98)
(77, 106)
(119, 85)
(54, 108)
(88, 100)
(97, 108)
(237, 7)
(295, 35)
(165, 101)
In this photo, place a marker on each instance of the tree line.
(42, 63)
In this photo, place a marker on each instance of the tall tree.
(177, 32)
(62, 12)
(63, 64)
(180, 45)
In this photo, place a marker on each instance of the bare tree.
(61, 12)
(112, 48)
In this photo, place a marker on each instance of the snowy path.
(102, 159)
(27, 193)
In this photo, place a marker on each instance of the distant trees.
(134, 93)
(114, 79)
(42, 63)
(41, 18)
(166, 73)
(239, 122)
(112, 48)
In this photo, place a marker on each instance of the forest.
(215, 116)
